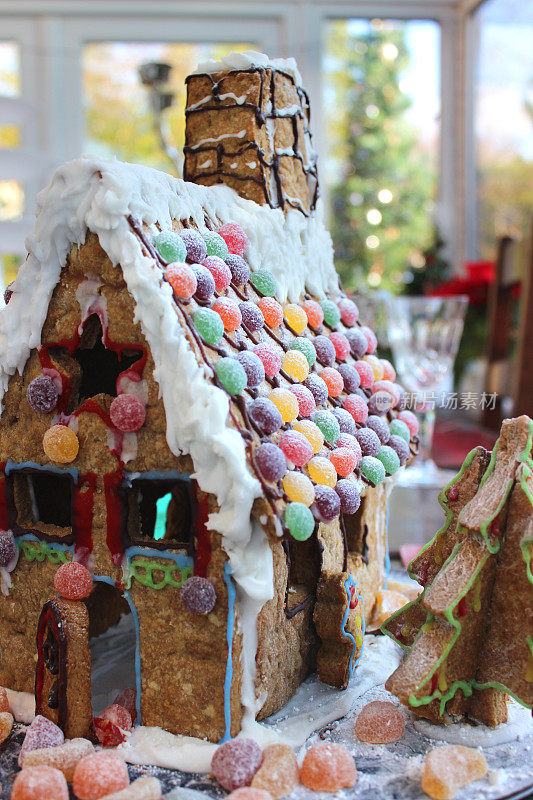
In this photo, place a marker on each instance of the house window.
(356, 531)
(41, 502)
(158, 510)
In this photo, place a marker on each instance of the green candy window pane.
(158, 511)
(161, 516)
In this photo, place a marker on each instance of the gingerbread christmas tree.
(469, 635)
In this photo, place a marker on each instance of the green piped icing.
(526, 544)
(41, 551)
(143, 572)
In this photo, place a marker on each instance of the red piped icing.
(49, 369)
(494, 528)
(114, 516)
(91, 407)
(453, 493)
(434, 683)
(203, 541)
(353, 596)
(4, 519)
(83, 516)
(422, 573)
(462, 610)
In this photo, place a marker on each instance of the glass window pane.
(9, 69)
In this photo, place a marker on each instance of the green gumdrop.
(264, 282)
(399, 428)
(389, 458)
(372, 469)
(170, 246)
(299, 520)
(328, 424)
(332, 315)
(306, 347)
(209, 325)
(216, 246)
(231, 375)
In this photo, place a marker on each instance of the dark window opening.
(42, 502)
(357, 532)
(159, 511)
(304, 560)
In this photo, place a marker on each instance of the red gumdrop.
(271, 358)
(379, 722)
(345, 460)
(349, 312)
(410, 420)
(111, 725)
(341, 345)
(328, 767)
(235, 763)
(370, 338)
(127, 698)
(296, 447)
(366, 374)
(73, 581)
(98, 775)
(127, 412)
(234, 236)
(357, 406)
(220, 271)
(40, 783)
(306, 401)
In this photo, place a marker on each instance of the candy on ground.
(278, 773)
(111, 726)
(379, 722)
(65, 757)
(99, 774)
(6, 725)
(249, 793)
(328, 767)
(4, 701)
(41, 733)
(145, 788)
(40, 783)
(449, 768)
(235, 763)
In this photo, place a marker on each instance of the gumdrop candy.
(348, 495)
(399, 428)
(298, 488)
(332, 315)
(8, 548)
(315, 315)
(295, 365)
(366, 374)
(297, 447)
(327, 503)
(348, 440)
(40, 783)
(389, 458)
(322, 471)
(209, 325)
(328, 767)
(216, 246)
(73, 581)
(379, 722)
(368, 441)
(270, 357)
(127, 698)
(341, 345)
(234, 236)
(327, 424)
(170, 246)
(401, 447)
(357, 407)
(64, 757)
(377, 366)
(205, 283)
(264, 282)
(379, 403)
(350, 376)
(112, 724)
(271, 311)
(380, 427)
(41, 733)
(6, 724)
(388, 386)
(270, 461)
(8, 292)
(229, 312)
(325, 350)
(358, 342)
(286, 403)
(98, 775)
(265, 416)
(4, 700)
(410, 420)
(220, 271)
(240, 271)
(370, 336)
(389, 373)
(449, 768)
(182, 279)
(42, 394)
(127, 412)
(349, 312)
(195, 246)
(345, 460)
(144, 788)
(295, 317)
(345, 420)
(231, 375)
(311, 432)
(318, 389)
(252, 317)
(278, 773)
(253, 366)
(372, 469)
(249, 793)
(333, 381)
(235, 763)
(306, 401)
(198, 595)
(299, 521)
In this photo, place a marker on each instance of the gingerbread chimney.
(247, 125)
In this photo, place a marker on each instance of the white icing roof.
(248, 59)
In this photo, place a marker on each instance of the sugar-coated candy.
(369, 441)
(220, 271)
(332, 315)
(170, 246)
(194, 244)
(350, 377)
(8, 548)
(318, 389)
(198, 595)
(252, 317)
(380, 427)
(8, 292)
(327, 503)
(311, 432)
(42, 394)
(410, 420)
(271, 311)
(298, 487)
(278, 773)
(315, 315)
(127, 698)
(98, 775)
(358, 342)
(253, 366)
(295, 317)
(265, 415)
(400, 447)
(327, 424)
(286, 403)
(40, 783)
(372, 469)
(349, 312)
(249, 793)
(63, 757)
(389, 373)
(229, 312)
(449, 768)
(306, 347)
(322, 471)
(6, 722)
(379, 403)
(379, 722)
(357, 407)
(264, 282)
(60, 444)
(328, 767)
(299, 521)
(399, 428)
(296, 446)
(234, 236)
(370, 337)
(270, 357)
(389, 458)
(345, 460)
(182, 279)
(205, 283)
(127, 412)
(325, 350)
(215, 244)
(366, 373)
(41, 733)
(377, 367)
(240, 271)
(341, 345)
(112, 725)
(349, 440)
(345, 420)
(295, 365)
(73, 581)
(209, 325)
(388, 386)
(235, 762)
(333, 381)
(306, 401)
(144, 788)
(348, 495)
(4, 701)
(270, 461)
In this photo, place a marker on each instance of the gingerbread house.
(191, 408)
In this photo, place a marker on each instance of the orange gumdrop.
(6, 724)
(278, 773)
(328, 767)
(4, 702)
(99, 774)
(449, 768)
(60, 444)
(40, 783)
(379, 722)
(247, 793)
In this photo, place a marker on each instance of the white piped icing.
(247, 60)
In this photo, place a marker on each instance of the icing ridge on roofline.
(247, 60)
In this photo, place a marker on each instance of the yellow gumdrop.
(322, 471)
(298, 488)
(61, 444)
(296, 365)
(295, 317)
(377, 366)
(286, 403)
(312, 433)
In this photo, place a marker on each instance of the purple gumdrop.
(236, 762)
(265, 415)
(240, 271)
(198, 595)
(42, 394)
(325, 351)
(271, 461)
(205, 283)
(369, 441)
(350, 377)
(317, 387)
(327, 503)
(345, 420)
(253, 366)
(41, 733)
(8, 548)
(252, 318)
(348, 495)
(379, 403)
(8, 292)
(380, 427)
(358, 342)
(195, 246)
(400, 447)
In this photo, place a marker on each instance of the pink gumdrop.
(127, 412)
(234, 236)
(236, 762)
(127, 698)
(73, 581)
(40, 783)
(306, 401)
(391, 388)
(357, 406)
(349, 312)
(370, 338)
(98, 775)
(296, 447)
(220, 271)
(41, 733)
(379, 722)
(341, 345)
(366, 374)
(410, 420)
(271, 358)
(249, 793)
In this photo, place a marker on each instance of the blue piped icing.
(387, 556)
(12, 466)
(229, 664)
(347, 584)
(29, 537)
